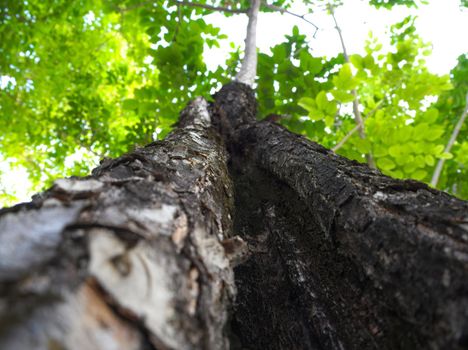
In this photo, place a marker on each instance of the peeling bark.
(140, 255)
(128, 258)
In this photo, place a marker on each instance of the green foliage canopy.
(86, 79)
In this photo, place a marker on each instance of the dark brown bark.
(140, 254)
(343, 257)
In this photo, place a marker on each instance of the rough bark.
(343, 257)
(140, 254)
(128, 258)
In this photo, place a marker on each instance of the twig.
(453, 137)
(248, 70)
(349, 134)
(356, 111)
(344, 139)
(283, 10)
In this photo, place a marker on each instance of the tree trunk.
(128, 258)
(330, 254)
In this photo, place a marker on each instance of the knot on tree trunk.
(234, 106)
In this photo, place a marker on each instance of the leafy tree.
(95, 77)
(99, 77)
(452, 105)
(403, 136)
(141, 254)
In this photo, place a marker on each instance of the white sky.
(441, 22)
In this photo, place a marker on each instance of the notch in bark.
(235, 105)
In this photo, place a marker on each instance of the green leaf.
(437, 150)
(362, 145)
(329, 121)
(420, 161)
(446, 155)
(409, 159)
(369, 62)
(310, 64)
(401, 160)
(380, 114)
(356, 60)
(380, 150)
(342, 96)
(429, 160)
(344, 80)
(279, 53)
(403, 135)
(331, 108)
(321, 100)
(396, 174)
(385, 163)
(307, 103)
(394, 151)
(417, 147)
(316, 115)
(419, 174)
(295, 31)
(370, 102)
(431, 115)
(130, 104)
(421, 131)
(435, 133)
(409, 168)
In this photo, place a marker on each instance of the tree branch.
(248, 70)
(356, 111)
(283, 10)
(453, 137)
(346, 138)
(348, 135)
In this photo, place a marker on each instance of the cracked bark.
(141, 253)
(128, 258)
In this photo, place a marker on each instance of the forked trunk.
(332, 254)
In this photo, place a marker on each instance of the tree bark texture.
(128, 258)
(233, 233)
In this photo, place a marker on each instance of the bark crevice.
(389, 256)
